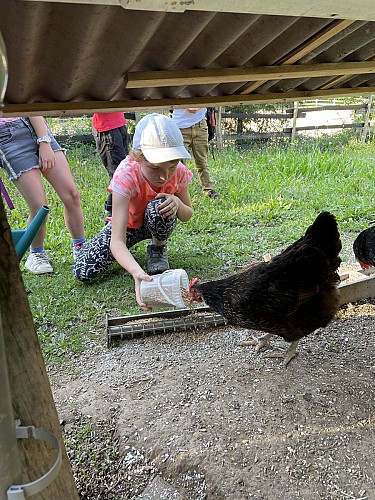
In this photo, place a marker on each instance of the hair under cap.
(159, 139)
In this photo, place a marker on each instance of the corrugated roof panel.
(71, 52)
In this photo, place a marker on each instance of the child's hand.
(170, 206)
(47, 158)
(138, 278)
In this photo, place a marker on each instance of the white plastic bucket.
(165, 289)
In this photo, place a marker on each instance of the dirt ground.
(194, 415)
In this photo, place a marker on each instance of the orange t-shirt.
(128, 181)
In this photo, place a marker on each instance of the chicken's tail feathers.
(324, 232)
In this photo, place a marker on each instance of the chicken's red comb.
(364, 265)
(192, 282)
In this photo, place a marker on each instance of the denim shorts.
(19, 151)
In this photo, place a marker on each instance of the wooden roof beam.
(86, 107)
(338, 79)
(316, 41)
(147, 79)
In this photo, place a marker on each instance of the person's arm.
(120, 214)
(46, 154)
(176, 205)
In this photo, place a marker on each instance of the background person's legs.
(199, 147)
(60, 178)
(30, 185)
(112, 146)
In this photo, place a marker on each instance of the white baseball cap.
(159, 139)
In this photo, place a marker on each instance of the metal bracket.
(21, 491)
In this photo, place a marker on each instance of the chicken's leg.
(260, 342)
(290, 353)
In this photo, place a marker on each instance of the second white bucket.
(165, 289)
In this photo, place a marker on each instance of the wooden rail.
(291, 114)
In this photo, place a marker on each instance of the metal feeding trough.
(359, 289)
(141, 325)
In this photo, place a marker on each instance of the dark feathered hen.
(291, 295)
(364, 248)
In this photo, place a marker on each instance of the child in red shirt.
(112, 144)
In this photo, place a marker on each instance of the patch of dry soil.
(214, 420)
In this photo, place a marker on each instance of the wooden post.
(367, 119)
(219, 133)
(10, 465)
(30, 390)
(294, 124)
(137, 117)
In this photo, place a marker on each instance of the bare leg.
(30, 185)
(260, 342)
(60, 177)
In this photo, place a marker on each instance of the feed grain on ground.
(214, 420)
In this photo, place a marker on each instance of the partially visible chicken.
(291, 295)
(364, 248)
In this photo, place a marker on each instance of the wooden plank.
(265, 115)
(146, 79)
(333, 107)
(316, 41)
(76, 107)
(322, 127)
(294, 122)
(344, 276)
(295, 55)
(336, 81)
(255, 135)
(367, 119)
(339, 79)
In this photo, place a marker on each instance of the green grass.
(270, 196)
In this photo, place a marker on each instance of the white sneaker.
(38, 263)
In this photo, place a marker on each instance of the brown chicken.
(291, 295)
(364, 248)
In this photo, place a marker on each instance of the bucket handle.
(162, 291)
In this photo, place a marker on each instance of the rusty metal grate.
(142, 325)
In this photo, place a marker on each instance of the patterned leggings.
(95, 257)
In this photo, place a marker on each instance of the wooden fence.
(242, 122)
(284, 127)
